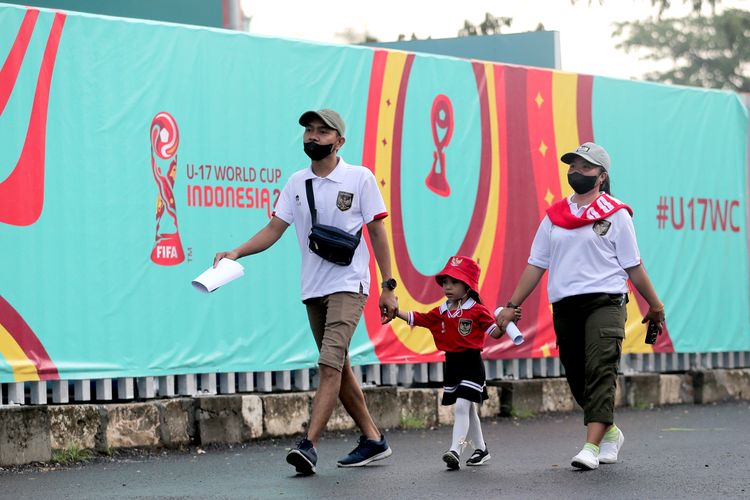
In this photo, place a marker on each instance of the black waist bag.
(329, 242)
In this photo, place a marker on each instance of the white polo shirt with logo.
(588, 259)
(347, 199)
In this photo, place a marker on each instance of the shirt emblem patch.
(601, 227)
(464, 327)
(344, 201)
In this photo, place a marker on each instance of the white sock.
(461, 411)
(475, 428)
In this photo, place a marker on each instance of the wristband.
(511, 305)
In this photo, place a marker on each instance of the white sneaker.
(608, 450)
(586, 460)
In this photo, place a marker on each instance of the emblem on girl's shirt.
(464, 327)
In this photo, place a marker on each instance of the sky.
(586, 42)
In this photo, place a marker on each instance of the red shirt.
(456, 331)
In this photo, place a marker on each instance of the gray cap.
(593, 153)
(329, 117)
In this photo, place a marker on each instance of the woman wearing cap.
(587, 241)
(459, 326)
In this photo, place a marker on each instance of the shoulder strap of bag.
(311, 200)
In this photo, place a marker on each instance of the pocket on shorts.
(612, 333)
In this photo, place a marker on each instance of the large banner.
(131, 152)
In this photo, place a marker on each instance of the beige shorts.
(333, 319)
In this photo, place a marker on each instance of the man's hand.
(388, 305)
(231, 255)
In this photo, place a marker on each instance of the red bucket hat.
(463, 269)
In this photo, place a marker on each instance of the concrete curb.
(35, 433)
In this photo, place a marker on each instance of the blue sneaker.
(303, 457)
(366, 451)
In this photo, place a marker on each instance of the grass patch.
(643, 406)
(519, 413)
(413, 423)
(72, 455)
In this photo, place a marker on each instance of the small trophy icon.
(442, 118)
(165, 138)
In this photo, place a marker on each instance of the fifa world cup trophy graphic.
(442, 118)
(164, 141)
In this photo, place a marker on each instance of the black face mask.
(316, 151)
(582, 183)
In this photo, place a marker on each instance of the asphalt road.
(680, 452)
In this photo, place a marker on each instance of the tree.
(490, 26)
(712, 51)
(665, 4)
(352, 36)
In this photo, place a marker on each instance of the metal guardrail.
(128, 389)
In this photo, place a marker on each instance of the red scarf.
(603, 206)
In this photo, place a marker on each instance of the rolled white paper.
(511, 329)
(212, 278)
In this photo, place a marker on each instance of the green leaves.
(711, 51)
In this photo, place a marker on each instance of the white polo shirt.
(347, 199)
(582, 260)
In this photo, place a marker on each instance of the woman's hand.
(518, 314)
(655, 314)
(506, 316)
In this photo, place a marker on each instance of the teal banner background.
(80, 296)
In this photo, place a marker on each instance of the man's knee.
(328, 371)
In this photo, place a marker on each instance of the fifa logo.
(165, 138)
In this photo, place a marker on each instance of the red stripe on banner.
(584, 92)
(474, 233)
(27, 341)
(28, 176)
(12, 65)
(542, 145)
(490, 290)
(522, 205)
(225, 13)
(373, 108)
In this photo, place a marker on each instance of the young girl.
(459, 326)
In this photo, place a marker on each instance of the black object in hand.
(651, 332)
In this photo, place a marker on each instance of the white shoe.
(586, 460)
(608, 450)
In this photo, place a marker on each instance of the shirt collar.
(336, 175)
(576, 209)
(465, 306)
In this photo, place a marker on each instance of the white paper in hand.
(212, 278)
(514, 333)
(511, 329)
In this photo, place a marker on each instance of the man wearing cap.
(345, 197)
(588, 243)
